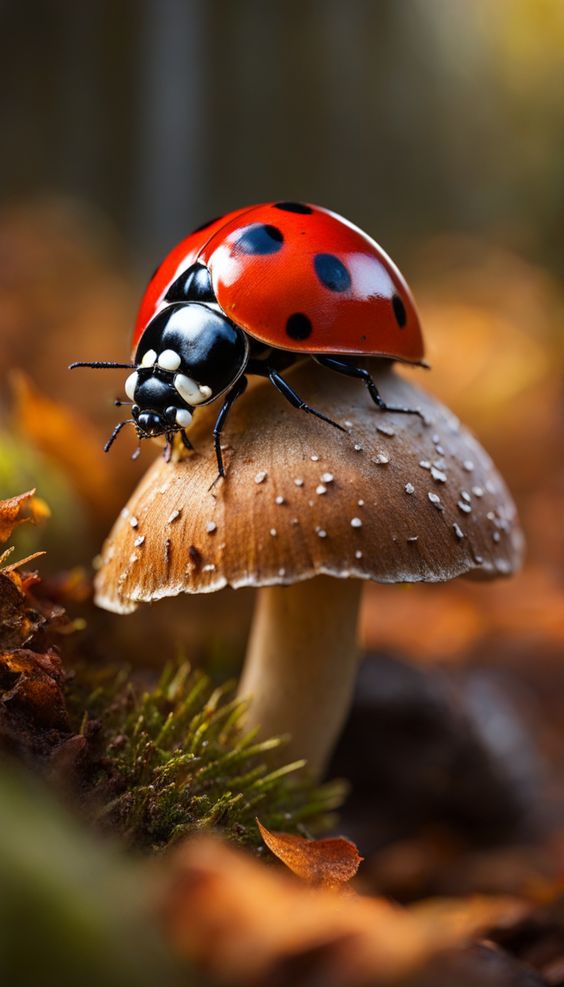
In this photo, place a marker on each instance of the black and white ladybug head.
(188, 355)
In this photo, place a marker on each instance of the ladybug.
(252, 292)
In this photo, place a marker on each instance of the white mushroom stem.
(301, 665)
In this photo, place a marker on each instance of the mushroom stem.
(301, 664)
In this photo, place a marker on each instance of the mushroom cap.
(394, 499)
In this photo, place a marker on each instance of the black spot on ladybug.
(332, 272)
(298, 326)
(260, 238)
(204, 226)
(294, 207)
(399, 311)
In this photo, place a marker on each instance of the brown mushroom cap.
(394, 500)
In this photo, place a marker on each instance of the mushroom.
(306, 514)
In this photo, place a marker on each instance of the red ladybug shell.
(301, 278)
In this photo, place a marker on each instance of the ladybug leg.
(281, 385)
(232, 396)
(185, 440)
(342, 367)
(296, 401)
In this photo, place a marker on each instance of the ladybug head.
(188, 355)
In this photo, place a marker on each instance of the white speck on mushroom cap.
(321, 533)
(358, 554)
(314, 458)
(261, 477)
(321, 489)
(358, 447)
(327, 478)
(133, 522)
(438, 475)
(464, 507)
(139, 540)
(360, 503)
(458, 531)
(468, 465)
(478, 491)
(435, 500)
(409, 488)
(348, 424)
(273, 532)
(211, 526)
(466, 496)
(381, 459)
(299, 481)
(425, 464)
(385, 430)
(279, 500)
(356, 522)
(173, 517)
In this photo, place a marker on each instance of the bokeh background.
(437, 126)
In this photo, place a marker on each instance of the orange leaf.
(327, 863)
(18, 510)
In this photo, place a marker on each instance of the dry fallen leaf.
(328, 863)
(246, 924)
(18, 510)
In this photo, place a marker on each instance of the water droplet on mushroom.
(425, 464)
(261, 477)
(381, 459)
(327, 477)
(279, 500)
(435, 500)
(133, 522)
(211, 526)
(172, 517)
(321, 489)
(139, 540)
(409, 488)
(464, 507)
(356, 522)
(491, 487)
(299, 482)
(458, 531)
(438, 475)
(468, 465)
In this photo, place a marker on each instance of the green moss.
(175, 760)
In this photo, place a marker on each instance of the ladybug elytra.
(251, 293)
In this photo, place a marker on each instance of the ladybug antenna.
(103, 365)
(116, 431)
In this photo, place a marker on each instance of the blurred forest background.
(438, 127)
